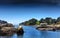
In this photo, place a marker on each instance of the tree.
(32, 21)
(48, 20)
(29, 22)
(37, 23)
(42, 20)
(58, 19)
(53, 21)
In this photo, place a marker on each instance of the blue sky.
(19, 13)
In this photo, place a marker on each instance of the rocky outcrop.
(46, 29)
(7, 30)
(11, 30)
(2, 22)
(6, 25)
(20, 30)
(49, 28)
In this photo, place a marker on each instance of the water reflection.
(21, 36)
(48, 34)
(5, 37)
(31, 32)
(14, 36)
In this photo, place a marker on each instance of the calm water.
(31, 32)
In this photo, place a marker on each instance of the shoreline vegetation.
(47, 20)
(47, 24)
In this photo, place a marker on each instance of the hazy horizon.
(19, 13)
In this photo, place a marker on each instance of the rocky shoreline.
(49, 28)
(8, 29)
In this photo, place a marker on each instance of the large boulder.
(20, 30)
(6, 25)
(7, 30)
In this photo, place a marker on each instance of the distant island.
(44, 24)
(47, 20)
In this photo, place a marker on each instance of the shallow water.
(31, 32)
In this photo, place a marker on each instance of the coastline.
(49, 27)
(19, 30)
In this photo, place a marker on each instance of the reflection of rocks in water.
(20, 36)
(5, 36)
(17, 36)
(14, 36)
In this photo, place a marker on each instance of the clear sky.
(19, 13)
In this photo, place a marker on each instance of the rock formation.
(6, 28)
(20, 30)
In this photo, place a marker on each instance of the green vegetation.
(47, 20)
(30, 22)
(37, 23)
